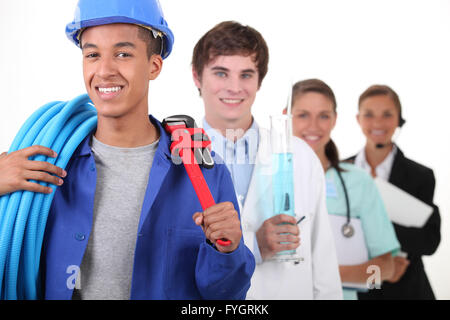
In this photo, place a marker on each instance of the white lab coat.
(317, 276)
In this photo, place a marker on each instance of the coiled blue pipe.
(60, 126)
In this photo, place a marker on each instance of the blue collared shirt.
(239, 156)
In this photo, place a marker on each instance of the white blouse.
(383, 170)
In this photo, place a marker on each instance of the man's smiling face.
(117, 69)
(228, 85)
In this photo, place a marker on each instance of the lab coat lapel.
(260, 185)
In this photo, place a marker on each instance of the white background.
(348, 44)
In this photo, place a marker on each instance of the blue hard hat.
(90, 13)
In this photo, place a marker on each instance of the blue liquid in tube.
(283, 187)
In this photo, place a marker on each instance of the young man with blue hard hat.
(127, 222)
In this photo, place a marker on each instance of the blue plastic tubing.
(60, 126)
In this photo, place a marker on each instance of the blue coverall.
(172, 260)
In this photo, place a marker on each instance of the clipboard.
(403, 208)
(350, 251)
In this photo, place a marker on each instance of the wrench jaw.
(188, 121)
(202, 154)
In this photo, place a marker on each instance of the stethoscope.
(347, 229)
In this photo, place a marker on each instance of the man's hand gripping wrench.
(191, 146)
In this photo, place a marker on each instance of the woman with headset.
(380, 113)
(351, 193)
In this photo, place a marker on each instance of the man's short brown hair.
(154, 45)
(231, 38)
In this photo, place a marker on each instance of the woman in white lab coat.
(353, 202)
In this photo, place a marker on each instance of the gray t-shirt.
(122, 177)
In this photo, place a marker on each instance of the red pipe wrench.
(191, 146)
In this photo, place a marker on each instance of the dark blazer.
(418, 181)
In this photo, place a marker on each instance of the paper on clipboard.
(350, 251)
(401, 207)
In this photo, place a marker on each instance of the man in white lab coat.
(229, 63)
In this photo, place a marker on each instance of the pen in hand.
(301, 219)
